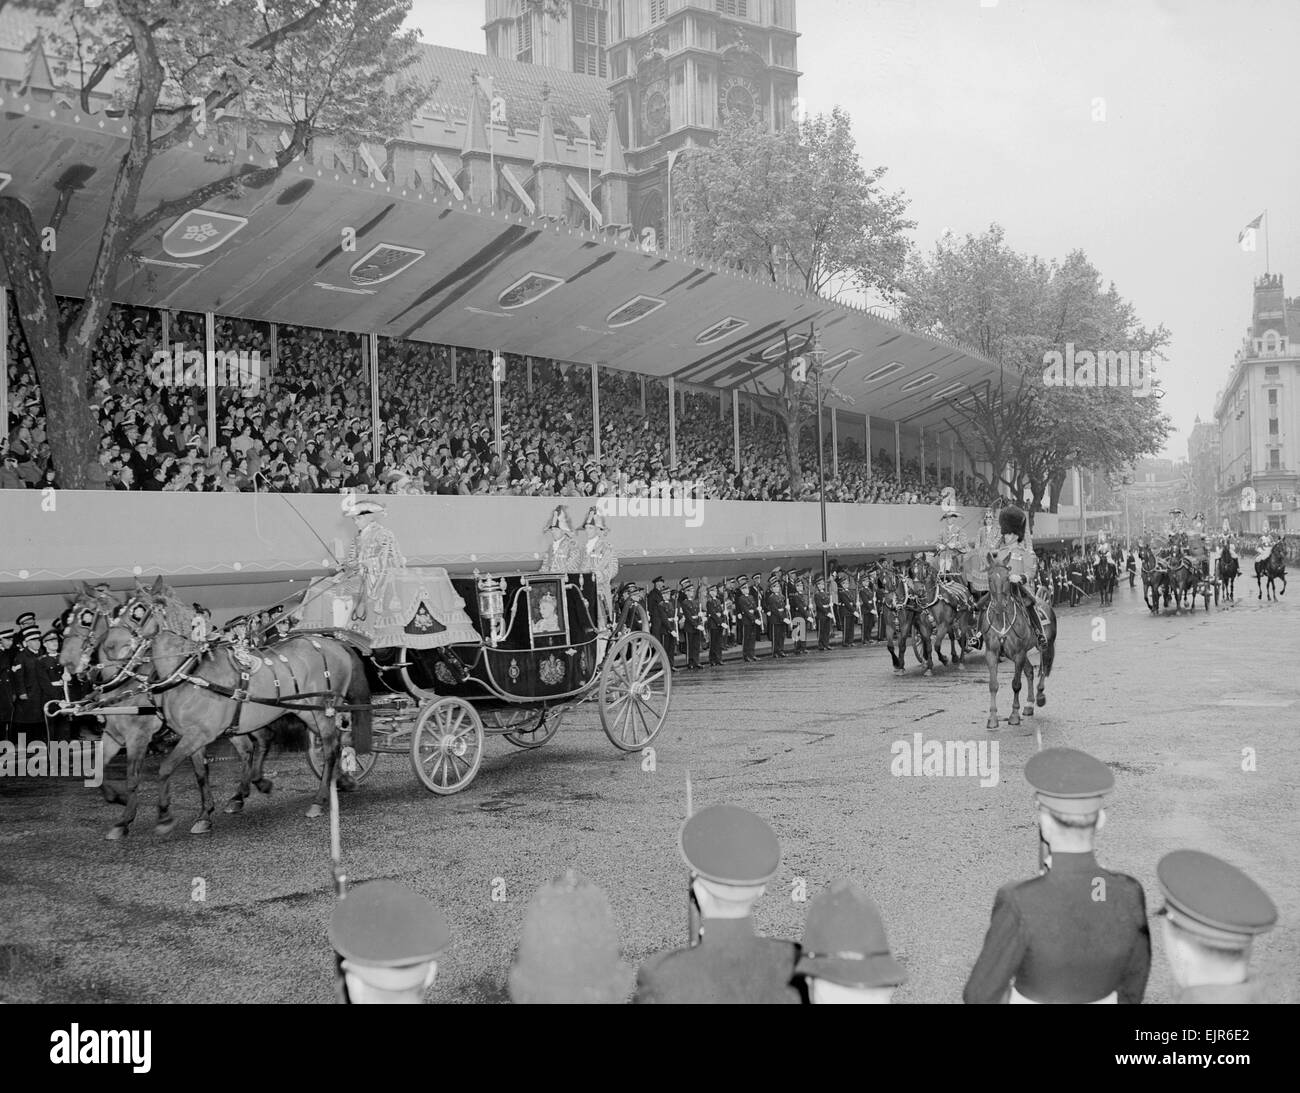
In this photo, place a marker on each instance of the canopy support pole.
(898, 453)
(372, 352)
(595, 410)
(672, 423)
(735, 427)
(210, 365)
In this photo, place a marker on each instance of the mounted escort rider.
(1196, 549)
(1018, 556)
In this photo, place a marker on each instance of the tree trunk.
(1054, 487)
(791, 423)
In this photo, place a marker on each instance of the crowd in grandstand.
(306, 427)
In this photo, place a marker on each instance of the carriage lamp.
(492, 607)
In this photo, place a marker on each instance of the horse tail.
(1048, 658)
(358, 697)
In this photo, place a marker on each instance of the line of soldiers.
(30, 676)
(798, 607)
(1076, 933)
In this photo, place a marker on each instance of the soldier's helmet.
(1011, 521)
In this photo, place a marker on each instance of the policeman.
(6, 684)
(756, 583)
(387, 939)
(845, 956)
(1212, 914)
(751, 618)
(778, 614)
(825, 616)
(1077, 932)
(27, 682)
(663, 619)
(692, 623)
(731, 854)
(715, 623)
(848, 605)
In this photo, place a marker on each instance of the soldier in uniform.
(688, 607)
(1212, 914)
(761, 600)
(387, 940)
(798, 603)
(825, 615)
(731, 854)
(6, 683)
(778, 615)
(598, 557)
(1051, 939)
(848, 605)
(866, 604)
(1022, 566)
(715, 623)
(563, 554)
(663, 620)
(751, 618)
(27, 682)
(844, 955)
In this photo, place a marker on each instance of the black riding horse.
(1272, 567)
(1155, 580)
(1226, 569)
(1107, 572)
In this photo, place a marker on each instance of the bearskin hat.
(1011, 521)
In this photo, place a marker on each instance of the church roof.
(519, 83)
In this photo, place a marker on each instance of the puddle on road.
(1264, 701)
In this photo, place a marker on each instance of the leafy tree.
(798, 207)
(302, 68)
(1014, 309)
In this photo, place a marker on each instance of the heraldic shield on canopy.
(377, 596)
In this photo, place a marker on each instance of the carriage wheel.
(529, 728)
(634, 617)
(365, 763)
(447, 745)
(635, 688)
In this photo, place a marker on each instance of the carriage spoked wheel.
(365, 763)
(447, 745)
(529, 728)
(634, 691)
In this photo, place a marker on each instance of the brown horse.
(205, 693)
(1008, 634)
(896, 614)
(946, 622)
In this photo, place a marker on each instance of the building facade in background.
(1257, 417)
(1203, 470)
(675, 70)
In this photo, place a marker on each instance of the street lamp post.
(821, 456)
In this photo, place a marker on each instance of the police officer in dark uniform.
(760, 600)
(53, 684)
(751, 618)
(26, 678)
(848, 604)
(663, 620)
(1053, 938)
(715, 624)
(1212, 914)
(825, 614)
(692, 623)
(6, 685)
(778, 615)
(866, 603)
(732, 854)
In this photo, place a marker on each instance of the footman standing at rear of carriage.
(1078, 932)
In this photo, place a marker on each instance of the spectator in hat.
(569, 949)
(731, 854)
(844, 955)
(387, 940)
(10, 479)
(1213, 912)
(1051, 939)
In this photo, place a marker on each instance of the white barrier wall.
(73, 535)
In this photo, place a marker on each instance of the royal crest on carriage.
(551, 670)
(443, 674)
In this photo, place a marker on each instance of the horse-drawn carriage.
(536, 649)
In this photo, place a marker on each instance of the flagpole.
(1266, 258)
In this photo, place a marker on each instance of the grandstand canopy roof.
(431, 270)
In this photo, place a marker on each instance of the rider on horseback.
(1196, 546)
(1022, 565)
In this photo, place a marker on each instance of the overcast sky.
(983, 111)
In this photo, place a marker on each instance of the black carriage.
(540, 651)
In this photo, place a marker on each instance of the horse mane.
(178, 616)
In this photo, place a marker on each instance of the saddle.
(954, 594)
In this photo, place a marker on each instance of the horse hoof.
(233, 807)
(314, 811)
(1014, 719)
(265, 785)
(927, 672)
(1042, 700)
(992, 724)
(201, 827)
(117, 831)
(1028, 711)
(164, 827)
